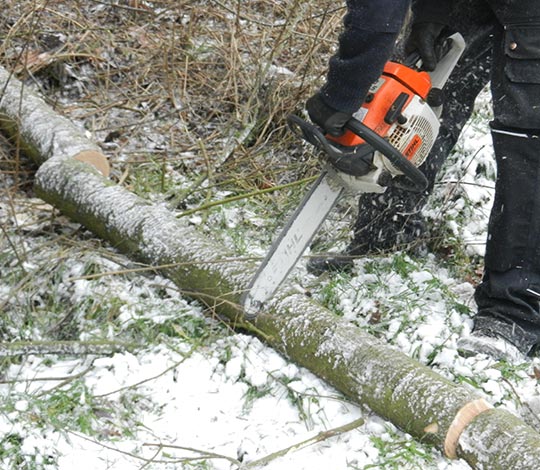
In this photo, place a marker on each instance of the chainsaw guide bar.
(292, 241)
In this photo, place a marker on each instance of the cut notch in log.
(95, 159)
(463, 418)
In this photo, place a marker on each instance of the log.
(39, 131)
(63, 347)
(413, 397)
(501, 436)
(397, 388)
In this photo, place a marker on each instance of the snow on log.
(410, 395)
(39, 131)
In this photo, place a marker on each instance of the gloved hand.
(331, 120)
(426, 39)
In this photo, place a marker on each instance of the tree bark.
(410, 395)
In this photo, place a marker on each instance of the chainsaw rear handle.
(417, 181)
(414, 179)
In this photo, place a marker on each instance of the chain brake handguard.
(359, 162)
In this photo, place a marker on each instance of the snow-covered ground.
(170, 386)
(201, 396)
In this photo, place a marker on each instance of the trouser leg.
(392, 220)
(510, 290)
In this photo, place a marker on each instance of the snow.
(229, 399)
(235, 398)
(201, 403)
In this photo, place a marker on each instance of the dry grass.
(203, 87)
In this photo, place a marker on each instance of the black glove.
(426, 38)
(330, 119)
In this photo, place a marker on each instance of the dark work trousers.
(503, 44)
(511, 286)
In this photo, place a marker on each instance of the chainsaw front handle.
(414, 181)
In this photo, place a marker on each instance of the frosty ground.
(106, 365)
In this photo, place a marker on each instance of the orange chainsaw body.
(396, 80)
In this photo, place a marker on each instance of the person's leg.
(393, 220)
(508, 298)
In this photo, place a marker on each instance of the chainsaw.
(384, 143)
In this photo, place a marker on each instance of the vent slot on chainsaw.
(414, 141)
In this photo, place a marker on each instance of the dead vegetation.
(189, 101)
(187, 98)
(201, 87)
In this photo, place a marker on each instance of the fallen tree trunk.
(411, 396)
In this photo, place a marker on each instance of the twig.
(246, 196)
(126, 7)
(203, 453)
(525, 405)
(65, 381)
(149, 379)
(75, 348)
(322, 436)
(114, 449)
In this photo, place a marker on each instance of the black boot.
(499, 339)
(506, 326)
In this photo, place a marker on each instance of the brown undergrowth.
(202, 88)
